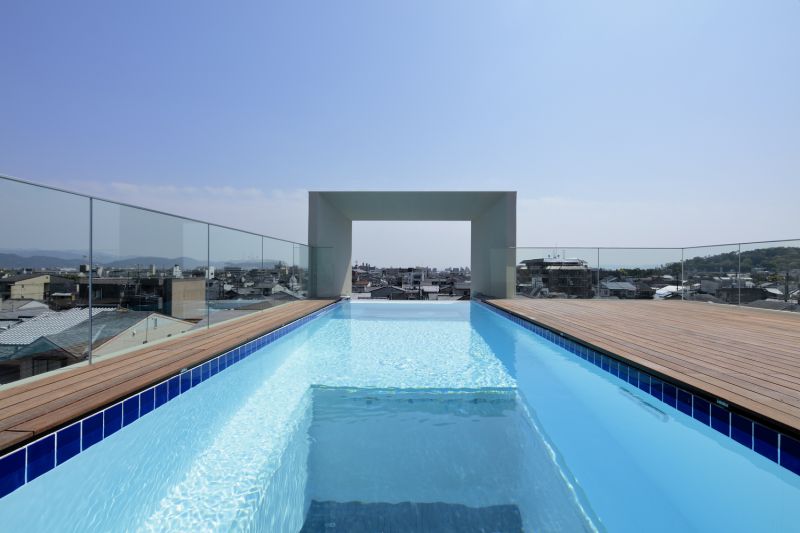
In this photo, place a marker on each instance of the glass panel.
(556, 272)
(240, 282)
(770, 274)
(283, 277)
(301, 266)
(149, 277)
(640, 273)
(44, 253)
(711, 273)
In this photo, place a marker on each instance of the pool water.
(411, 416)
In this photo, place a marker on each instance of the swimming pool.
(393, 415)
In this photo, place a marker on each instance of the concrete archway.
(492, 216)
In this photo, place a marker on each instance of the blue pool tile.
(130, 410)
(669, 395)
(186, 381)
(633, 377)
(720, 419)
(684, 402)
(12, 472)
(162, 393)
(231, 359)
(657, 388)
(206, 370)
(92, 430)
(644, 381)
(112, 420)
(223, 362)
(68, 442)
(41, 456)
(790, 453)
(174, 387)
(197, 375)
(214, 366)
(604, 363)
(742, 430)
(765, 441)
(623, 371)
(147, 401)
(700, 411)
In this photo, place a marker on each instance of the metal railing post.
(208, 273)
(739, 276)
(91, 267)
(683, 291)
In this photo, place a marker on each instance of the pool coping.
(758, 433)
(31, 459)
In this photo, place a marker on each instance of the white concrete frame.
(492, 215)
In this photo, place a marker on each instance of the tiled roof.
(48, 323)
(75, 339)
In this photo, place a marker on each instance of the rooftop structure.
(492, 216)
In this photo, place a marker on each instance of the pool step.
(358, 517)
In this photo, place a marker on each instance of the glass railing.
(639, 273)
(82, 278)
(756, 274)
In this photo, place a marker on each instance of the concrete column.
(494, 234)
(330, 236)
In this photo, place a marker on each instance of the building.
(553, 276)
(34, 287)
(185, 298)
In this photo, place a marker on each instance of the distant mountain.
(777, 259)
(15, 261)
(160, 262)
(30, 252)
(56, 259)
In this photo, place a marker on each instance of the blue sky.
(619, 122)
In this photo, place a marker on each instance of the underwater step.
(358, 517)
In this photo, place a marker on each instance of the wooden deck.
(747, 357)
(36, 407)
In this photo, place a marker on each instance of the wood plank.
(748, 357)
(9, 438)
(41, 405)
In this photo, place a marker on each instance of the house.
(361, 285)
(57, 339)
(391, 292)
(617, 289)
(462, 289)
(733, 295)
(644, 291)
(14, 312)
(430, 292)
